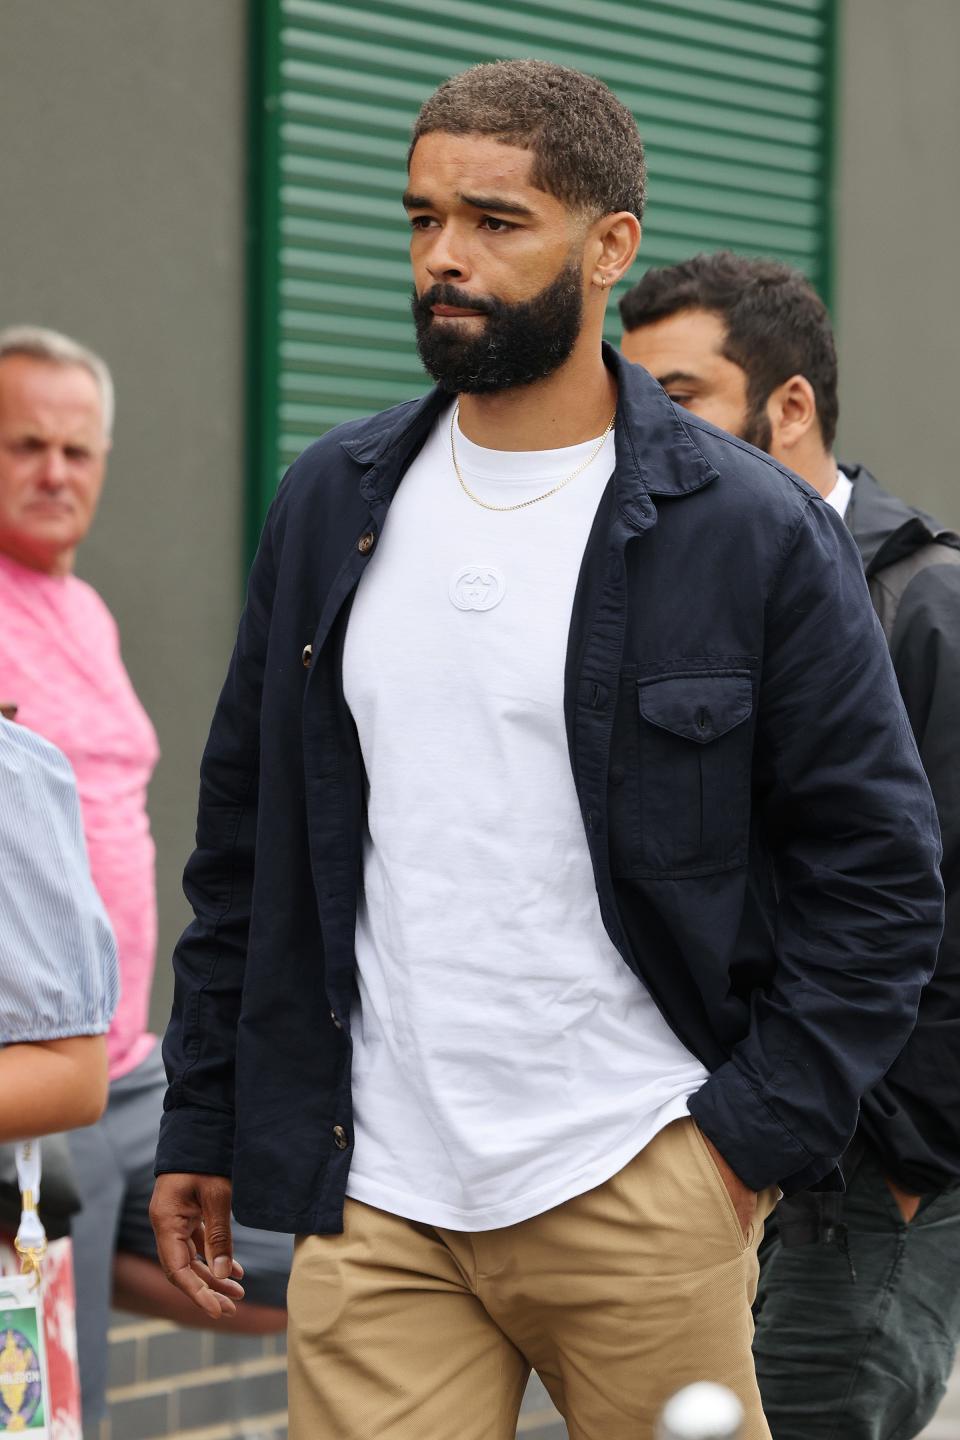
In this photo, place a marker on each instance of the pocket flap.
(699, 707)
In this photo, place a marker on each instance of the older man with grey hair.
(60, 664)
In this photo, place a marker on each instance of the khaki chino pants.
(617, 1298)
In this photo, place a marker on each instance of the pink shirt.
(60, 663)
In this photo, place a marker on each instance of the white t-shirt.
(505, 1057)
(839, 496)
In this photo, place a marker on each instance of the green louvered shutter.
(733, 99)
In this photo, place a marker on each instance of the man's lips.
(50, 507)
(454, 312)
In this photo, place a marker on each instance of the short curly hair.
(586, 146)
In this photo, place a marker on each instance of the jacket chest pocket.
(683, 777)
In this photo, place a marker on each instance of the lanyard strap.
(31, 1241)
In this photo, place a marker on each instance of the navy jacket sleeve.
(199, 1048)
(913, 1116)
(850, 822)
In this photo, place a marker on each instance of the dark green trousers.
(863, 1359)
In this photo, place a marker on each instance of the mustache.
(450, 295)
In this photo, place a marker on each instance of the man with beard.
(747, 344)
(483, 997)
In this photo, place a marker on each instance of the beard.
(757, 429)
(516, 345)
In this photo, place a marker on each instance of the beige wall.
(122, 177)
(898, 274)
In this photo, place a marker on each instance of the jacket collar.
(886, 528)
(655, 454)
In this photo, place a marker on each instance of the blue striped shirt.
(58, 958)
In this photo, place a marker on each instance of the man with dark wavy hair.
(748, 344)
(483, 998)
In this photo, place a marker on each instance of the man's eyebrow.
(476, 202)
(497, 202)
(672, 376)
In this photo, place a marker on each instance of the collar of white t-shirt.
(526, 467)
(839, 496)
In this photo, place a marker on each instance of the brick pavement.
(194, 1385)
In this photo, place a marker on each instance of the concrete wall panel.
(122, 172)
(898, 280)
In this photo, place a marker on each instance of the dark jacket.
(912, 1118)
(762, 836)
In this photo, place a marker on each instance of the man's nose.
(53, 468)
(447, 259)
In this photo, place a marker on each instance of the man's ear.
(792, 412)
(612, 247)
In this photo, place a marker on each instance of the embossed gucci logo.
(477, 587)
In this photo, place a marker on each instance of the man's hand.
(907, 1203)
(744, 1199)
(190, 1215)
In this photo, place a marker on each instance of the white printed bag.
(25, 1401)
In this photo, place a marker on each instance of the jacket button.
(366, 542)
(333, 1017)
(340, 1137)
(306, 655)
(617, 773)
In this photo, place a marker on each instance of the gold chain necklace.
(522, 504)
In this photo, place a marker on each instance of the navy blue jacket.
(763, 839)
